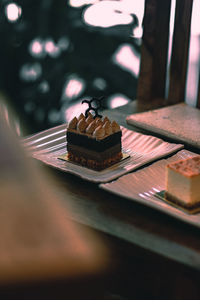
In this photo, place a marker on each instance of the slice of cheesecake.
(183, 182)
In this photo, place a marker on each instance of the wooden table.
(149, 255)
(156, 253)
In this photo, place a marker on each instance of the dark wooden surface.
(148, 254)
(153, 255)
(128, 221)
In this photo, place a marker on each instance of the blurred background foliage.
(55, 53)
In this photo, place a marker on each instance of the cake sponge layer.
(94, 164)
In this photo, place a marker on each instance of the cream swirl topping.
(72, 124)
(91, 127)
(81, 126)
(96, 127)
(81, 117)
(98, 122)
(99, 132)
(89, 119)
(107, 127)
(106, 120)
(115, 126)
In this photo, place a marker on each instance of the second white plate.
(142, 185)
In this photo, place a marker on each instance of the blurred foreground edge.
(42, 253)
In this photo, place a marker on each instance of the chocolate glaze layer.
(92, 143)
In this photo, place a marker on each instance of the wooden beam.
(198, 95)
(179, 59)
(154, 50)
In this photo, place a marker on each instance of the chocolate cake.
(94, 142)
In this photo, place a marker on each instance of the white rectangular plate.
(48, 145)
(141, 186)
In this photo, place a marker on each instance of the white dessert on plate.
(183, 182)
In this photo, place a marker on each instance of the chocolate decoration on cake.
(92, 108)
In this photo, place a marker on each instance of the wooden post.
(198, 98)
(179, 59)
(198, 93)
(154, 51)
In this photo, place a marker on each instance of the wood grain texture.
(179, 58)
(154, 50)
